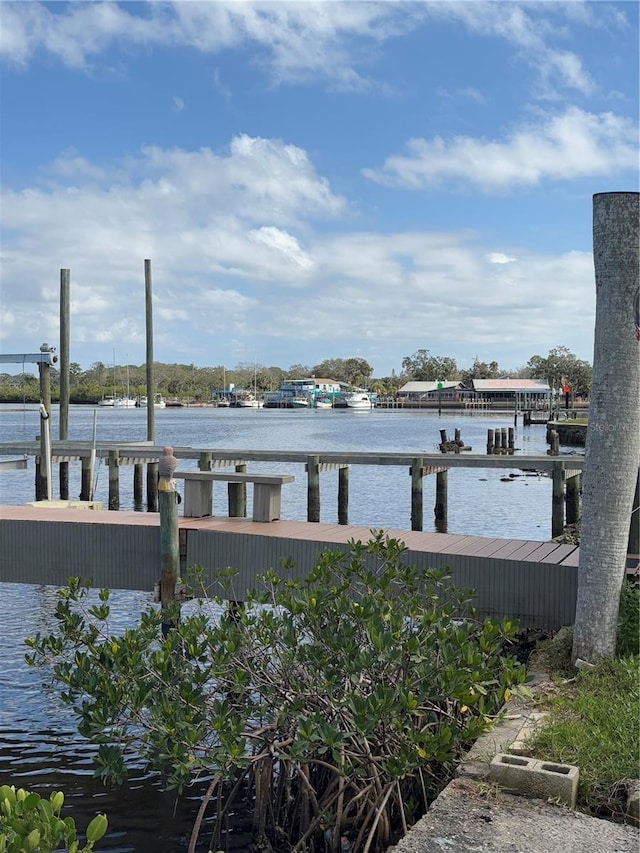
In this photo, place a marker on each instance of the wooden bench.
(198, 492)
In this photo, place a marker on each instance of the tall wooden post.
(313, 488)
(152, 467)
(169, 539)
(416, 494)
(343, 494)
(114, 480)
(169, 555)
(63, 426)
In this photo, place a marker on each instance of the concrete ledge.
(66, 504)
(534, 778)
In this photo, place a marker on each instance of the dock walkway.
(531, 581)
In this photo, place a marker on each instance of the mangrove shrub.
(334, 707)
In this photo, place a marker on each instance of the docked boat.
(107, 400)
(124, 403)
(358, 400)
(299, 402)
(245, 400)
(323, 403)
(158, 402)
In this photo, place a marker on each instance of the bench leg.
(198, 498)
(266, 502)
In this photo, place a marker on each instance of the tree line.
(186, 382)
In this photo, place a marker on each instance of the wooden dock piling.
(313, 488)
(137, 486)
(343, 494)
(572, 508)
(416, 493)
(114, 480)
(440, 509)
(237, 495)
(557, 499)
(169, 555)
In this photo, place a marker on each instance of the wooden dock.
(531, 581)
(564, 471)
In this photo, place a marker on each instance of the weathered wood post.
(489, 442)
(137, 487)
(169, 538)
(313, 488)
(557, 499)
(612, 447)
(440, 509)
(86, 478)
(114, 480)
(63, 424)
(237, 495)
(343, 494)
(573, 499)
(512, 439)
(152, 467)
(416, 494)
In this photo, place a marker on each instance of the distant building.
(511, 390)
(424, 391)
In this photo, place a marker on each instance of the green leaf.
(97, 828)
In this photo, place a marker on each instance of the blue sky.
(311, 180)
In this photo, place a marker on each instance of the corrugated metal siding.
(126, 555)
(115, 556)
(538, 595)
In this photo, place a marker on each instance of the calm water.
(38, 744)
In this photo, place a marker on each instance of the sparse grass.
(594, 724)
(594, 719)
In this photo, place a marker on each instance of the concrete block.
(532, 777)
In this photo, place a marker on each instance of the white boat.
(107, 400)
(124, 403)
(358, 400)
(324, 404)
(245, 400)
(223, 403)
(299, 403)
(158, 402)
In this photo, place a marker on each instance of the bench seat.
(198, 491)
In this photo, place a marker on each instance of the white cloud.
(178, 104)
(563, 147)
(293, 41)
(236, 254)
(530, 28)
